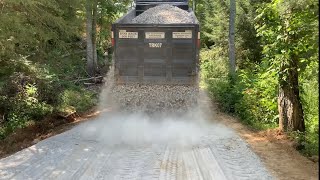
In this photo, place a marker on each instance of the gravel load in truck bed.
(164, 14)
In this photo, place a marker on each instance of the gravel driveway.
(135, 146)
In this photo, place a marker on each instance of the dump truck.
(156, 54)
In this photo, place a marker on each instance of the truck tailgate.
(156, 54)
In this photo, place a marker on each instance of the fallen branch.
(89, 84)
(69, 54)
(87, 79)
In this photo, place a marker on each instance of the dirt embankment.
(275, 150)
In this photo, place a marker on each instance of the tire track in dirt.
(209, 166)
(131, 163)
(236, 160)
(43, 162)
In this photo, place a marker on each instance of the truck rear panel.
(155, 53)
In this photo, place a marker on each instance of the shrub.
(251, 94)
(32, 92)
(76, 100)
(310, 103)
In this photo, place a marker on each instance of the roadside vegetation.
(274, 40)
(43, 59)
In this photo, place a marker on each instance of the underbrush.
(252, 95)
(31, 91)
(310, 101)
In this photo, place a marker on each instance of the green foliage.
(213, 29)
(213, 65)
(41, 54)
(21, 104)
(310, 102)
(258, 105)
(33, 92)
(35, 27)
(248, 43)
(15, 121)
(76, 100)
(268, 34)
(109, 12)
(252, 96)
(289, 30)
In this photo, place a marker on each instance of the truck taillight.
(112, 41)
(198, 40)
(112, 38)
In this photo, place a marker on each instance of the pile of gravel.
(154, 98)
(164, 14)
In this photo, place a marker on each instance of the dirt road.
(135, 146)
(220, 154)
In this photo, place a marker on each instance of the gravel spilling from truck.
(154, 98)
(164, 14)
(148, 98)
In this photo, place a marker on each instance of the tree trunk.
(289, 103)
(94, 35)
(194, 5)
(232, 48)
(90, 58)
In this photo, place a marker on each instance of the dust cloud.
(115, 127)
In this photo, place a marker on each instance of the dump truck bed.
(155, 53)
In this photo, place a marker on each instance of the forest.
(49, 47)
